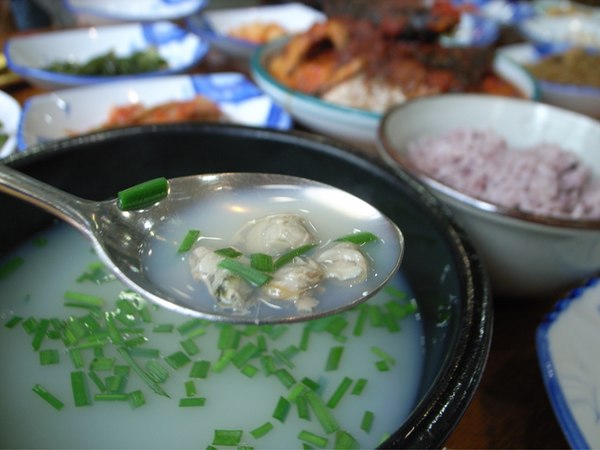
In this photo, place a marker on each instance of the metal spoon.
(122, 238)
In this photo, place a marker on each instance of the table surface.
(510, 408)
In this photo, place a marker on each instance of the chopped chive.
(229, 337)
(245, 354)
(192, 402)
(383, 355)
(192, 328)
(111, 397)
(261, 343)
(345, 441)
(359, 386)
(29, 325)
(76, 357)
(190, 388)
(333, 358)
(296, 392)
(143, 352)
(156, 371)
(375, 316)
(274, 331)
(40, 334)
(251, 275)
(190, 347)
(102, 364)
(339, 392)
(305, 338)
(122, 370)
(359, 238)
(50, 398)
(228, 252)
(97, 381)
(116, 383)
(13, 321)
(262, 430)
(282, 358)
(367, 421)
(262, 262)
(188, 241)
(268, 364)
(10, 266)
(289, 256)
(322, 412)
(337, 325)
(163, 328)
(49, 357)
(227, 437)
(249, 370)
(200, 369)
(177, 359)
(382, 366)
(143, 195)
(302, 408)
(79, 299)
(224, 360)
(80, 390)
(281, 409)
(135, 341)
(286, 378)
(311, 384)
(137, 398)
(313, 439)
(141, 372)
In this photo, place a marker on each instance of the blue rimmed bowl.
(555, 34)
(29, 55)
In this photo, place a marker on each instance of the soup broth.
(388, 354)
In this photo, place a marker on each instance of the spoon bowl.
(128, 241)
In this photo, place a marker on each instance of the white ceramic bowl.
(528, 256)
(66, 112)
(352, 125)
(102, 11)
(216, 24)
(27, 55)
(506, 12)
(10, 111)
(554, 34)
(583, 99)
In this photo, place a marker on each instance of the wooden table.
(510, 409)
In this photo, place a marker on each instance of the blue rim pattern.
(199, 5)
(201, 25)
(559, 403)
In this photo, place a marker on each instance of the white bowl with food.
(352, 110)
(570, 79)
(522, 177)
(554, 34)
(80, 56)
(217, 97)
(10, 111)
(103, 11)
(238, 32)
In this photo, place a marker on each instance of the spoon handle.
(63, 205)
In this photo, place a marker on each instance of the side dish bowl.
(217, 25)
(352, 125)
(582, 99)
(528, 256)
(30, 55)
(553, 34)
(441, 269)
(79, 110)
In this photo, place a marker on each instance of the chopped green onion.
(163, 328)
(249, 370)
(40, 334)
(382, 366)
(76, 357)
(359, 386)
(102, 364)
(227, 437)
(156, 371)
(143, 195)
(245, 354)
(200, 369)
(10, 266)
(177, 359)
(337, 325)
(286, 378)
(192, 328)
(302, 407)
(29, 325)
(229, 337)
(253, 276)
(322, 412)
(189, 240)
(190, 347)
(223, 360)
(77, 299)
(144, 352)
(141, 372)
(116, 383)
(313, 439)
(49, 357)
(262, 262)
(97, 381)
(296, 391)
(228, 252)
(50, 398)
(334, 357)
(289, 256)
(345, 441)
(339, 393)
(375, 315)
(268, 364)
(281, 409)
(383, 355)
(304, 340)
(192, 402)
(359, 238)
(111, 397)
(311, 384)
(367, 421)
(80, 390)
(262, 430)
(137, 398)
(190, 388)
(13, 321)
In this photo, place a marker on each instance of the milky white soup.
(218, 217)
(388, 355)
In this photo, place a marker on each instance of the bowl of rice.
(522, 177)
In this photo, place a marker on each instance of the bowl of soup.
(79, 349)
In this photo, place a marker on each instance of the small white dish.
(102, 11)
(68, 112)
(352, 125)
(10, 111)
(582, 99)
(215, 25)
(567, 348)
(28, 55)
(554, 34)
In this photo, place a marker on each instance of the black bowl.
(440, 264)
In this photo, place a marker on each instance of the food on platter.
(543, 179)
(374, 63)
(258, 32)
(575, 66)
